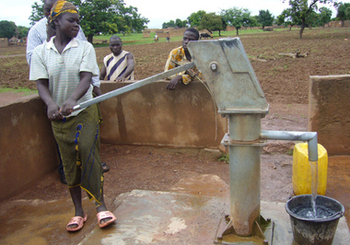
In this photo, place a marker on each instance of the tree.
(180, 23)
(238, 18)
(171, 23)
(177, 23)
(22, 31)
(195, 18)
(106, 16)
(303, 10)
(324, 16)
(256, 17)
(312, 19)
(7, 29)
(37, 12)
(132, 19)
(288, 18)
(212, 22)
(265, 18)
(343, 11)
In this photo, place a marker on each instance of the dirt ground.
(284, 81)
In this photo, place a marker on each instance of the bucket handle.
(333, 215)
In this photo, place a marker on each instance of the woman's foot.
(76, 223)
(105, 218)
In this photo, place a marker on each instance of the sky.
(158, 11)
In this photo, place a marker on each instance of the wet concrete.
(149, 217)
(188, 214)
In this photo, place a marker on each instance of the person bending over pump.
(181, 56)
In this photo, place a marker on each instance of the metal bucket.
(319, 231)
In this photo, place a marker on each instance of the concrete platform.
(153, 217)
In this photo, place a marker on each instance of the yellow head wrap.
(61, 7)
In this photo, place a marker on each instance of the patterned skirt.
(78, 140)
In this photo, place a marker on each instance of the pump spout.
(311, 137)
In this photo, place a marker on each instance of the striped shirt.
(116, 66)
(63, 70)
(176, 58)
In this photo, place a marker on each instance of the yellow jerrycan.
(302, 177)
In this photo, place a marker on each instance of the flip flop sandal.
(76, 220)
(105, 167)
(105, 215)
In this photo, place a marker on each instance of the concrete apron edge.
(159, 217)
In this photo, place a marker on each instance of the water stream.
(314, 184)
(314, 211)
(311, 212)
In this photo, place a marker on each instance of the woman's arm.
(103, 73)
(81, 89)
(44, 93)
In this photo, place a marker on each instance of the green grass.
(137, 38)
(224, 158)
(26, 91)
(131, 39)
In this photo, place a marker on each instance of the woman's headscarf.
(61, 7)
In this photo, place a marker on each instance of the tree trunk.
(90, 38)
(302, 28)
(237, 31)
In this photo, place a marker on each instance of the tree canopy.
(304, 11)
(212, 22)
(343, 11)
(324, 16)
(177, 23)
(265, 18)
(288, 18)
(7, 28)
(37, 12)
(195, 18)
(238, 17)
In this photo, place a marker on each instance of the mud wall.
(146, 33)
(177, 32)
(329, 112)
(4, 42)
(150, 115)
(27, 147)
(339, 23)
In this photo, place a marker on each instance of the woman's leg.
(75, 193)
(64, 134)
(102, 208)
(87, 139)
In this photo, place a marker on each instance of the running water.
(314, 183)
(307, 212)
(314, 211)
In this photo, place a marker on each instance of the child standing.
(69, 64)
